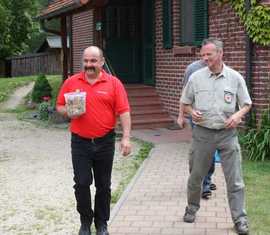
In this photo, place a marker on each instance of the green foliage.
(18, 25)
(43, 110)
(256, 141)
(8, 85)
(256, 20)
(19, 30)
(257, 181)
(41, 89)
(55, 82)
(132, 169)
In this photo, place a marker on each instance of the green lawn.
(8, 85)
(257, 180)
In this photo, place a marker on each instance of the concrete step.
(152, 123)
(144, 102)
(146, 107)
(146, 110)
(138, 93)
(150, 116)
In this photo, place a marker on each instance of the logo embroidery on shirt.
(228, 96)
(102, 92)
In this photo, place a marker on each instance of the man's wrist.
(126, 137)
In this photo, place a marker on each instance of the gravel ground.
(36, 195)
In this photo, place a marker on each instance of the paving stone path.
(156, 202)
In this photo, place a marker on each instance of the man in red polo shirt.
(92, 136)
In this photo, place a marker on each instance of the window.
(194, 21)
(167, 23)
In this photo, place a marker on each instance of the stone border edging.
(129, 187)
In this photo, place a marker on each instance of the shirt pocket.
(229, 100)
(203, 99)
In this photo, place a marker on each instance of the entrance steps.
(147, 111)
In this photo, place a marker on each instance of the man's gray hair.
(218, 43)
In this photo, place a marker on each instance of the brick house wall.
(82, 35)
(223, 24)
(170, 65)
(261, 78)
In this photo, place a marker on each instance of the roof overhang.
(60, 7)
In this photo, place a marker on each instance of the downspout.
(249, 57)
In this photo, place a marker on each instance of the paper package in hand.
(75, 103)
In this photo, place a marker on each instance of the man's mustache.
(90, 68)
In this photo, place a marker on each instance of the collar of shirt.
(216, 76)
(102, 77)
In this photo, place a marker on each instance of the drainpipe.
(249, 50)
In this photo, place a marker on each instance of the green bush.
(256, 141)
(41, 89)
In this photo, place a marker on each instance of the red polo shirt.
(105, 100)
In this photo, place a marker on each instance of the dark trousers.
(93, 159)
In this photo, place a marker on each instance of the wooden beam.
(64, 46)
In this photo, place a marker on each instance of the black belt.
(96, 140)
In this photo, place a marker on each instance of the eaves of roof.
(59, 7)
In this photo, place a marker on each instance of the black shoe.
(189, 216)
(241, 227)
(213, 186)
(206, 195)
(102, 230)
(85, 229)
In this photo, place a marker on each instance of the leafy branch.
(256, 20)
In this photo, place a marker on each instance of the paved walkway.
(154, 203)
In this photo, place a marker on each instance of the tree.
(4, 15)
(16, 25)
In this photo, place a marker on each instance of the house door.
(122, 35)
(148, 42)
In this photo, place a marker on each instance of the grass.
(55, 82)
(129, 169)
(8, 85)
(257, 180)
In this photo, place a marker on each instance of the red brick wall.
(169, 68)
(82, 36)
(261, 78)
(223, 24)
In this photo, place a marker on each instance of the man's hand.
(62, 109)
(196, 116)
(125, 146)
(181, 121)
(233, 121)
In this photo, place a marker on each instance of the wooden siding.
(46, 63)
(82, 36)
